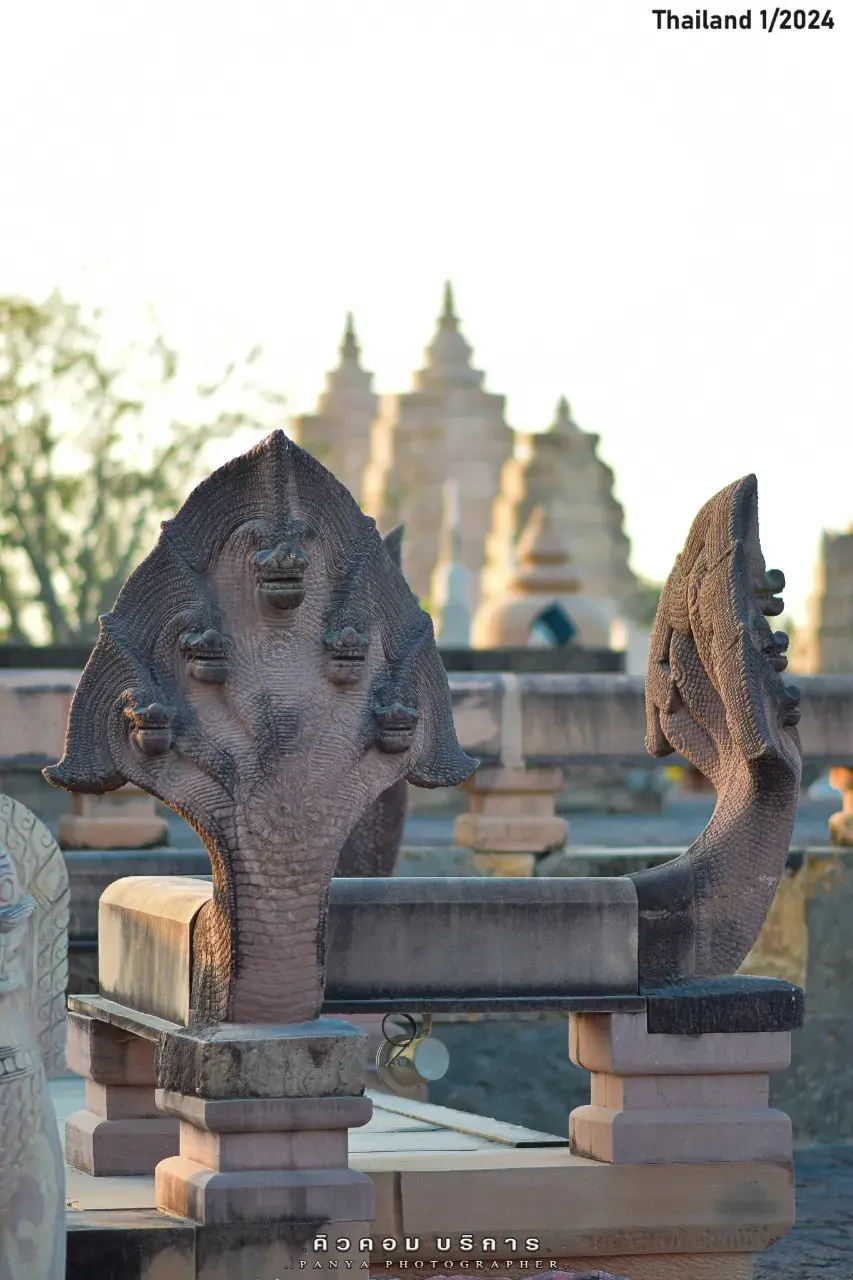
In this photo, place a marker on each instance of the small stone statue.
(714, 693)
(33, 968)
(268, 674)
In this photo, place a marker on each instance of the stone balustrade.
(537, 721)
(522, 727)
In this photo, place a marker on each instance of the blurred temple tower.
(338, 434)
(447, 427)
(824, 646)
(559, 469)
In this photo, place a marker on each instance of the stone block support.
(264, 1115)
(121, 1131)
(677, 1099)
(123, 819)
(841, 824)
(511, 819)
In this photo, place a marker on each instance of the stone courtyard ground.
(820, 1246)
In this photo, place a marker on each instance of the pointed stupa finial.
(448, 318)
(564, 410)
(349, 346)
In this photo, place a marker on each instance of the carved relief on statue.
(33, 969)
(267, 673)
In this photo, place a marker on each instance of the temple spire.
(448, 318)
(349, 346)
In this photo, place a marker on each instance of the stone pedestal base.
(671, 1099)
(682, 1100)
(123, 819)
(262, 1159)
(121, 1132)
(511, 811)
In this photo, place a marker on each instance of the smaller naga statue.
(32, 981)
(715, 694)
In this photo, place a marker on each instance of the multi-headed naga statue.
(715, 694)
(268, 674)
(33, 971)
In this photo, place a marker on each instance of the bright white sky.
(657, 224)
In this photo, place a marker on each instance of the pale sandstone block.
(688, 1136)
(107, 1054)
(106, 1148)
(589, 1209)
(121, 1102)
(240, 1152)
(619, 1044)
(320, 1059)
(506, 804)
(257, 1115)
(145, 942)
(513, 835)
(658, 1093)
(516, 781)
(190, 1190)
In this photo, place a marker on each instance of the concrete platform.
(441, 1175)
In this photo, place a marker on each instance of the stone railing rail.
(538, 721)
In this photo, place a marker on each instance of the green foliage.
(85, 469)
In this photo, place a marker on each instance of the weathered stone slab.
(192, 1190)
(680, 1135)
(620, 1044)
(108, 1148)
(258, 1115)
(318, 1059)
(399, 940)
(725, 1005)
(107, 1054)
(145, 926)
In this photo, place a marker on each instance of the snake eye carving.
(347, 654)
(206, 657)
(395, 727)
(152, 729)
(280, 575)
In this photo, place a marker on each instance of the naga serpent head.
(714, 689)
(270, 695)
(715, 694)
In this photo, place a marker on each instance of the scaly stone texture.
(267, 673)
(41, 867)
(448, 427)
(715, 694)
(373, 845)
(33, 942)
